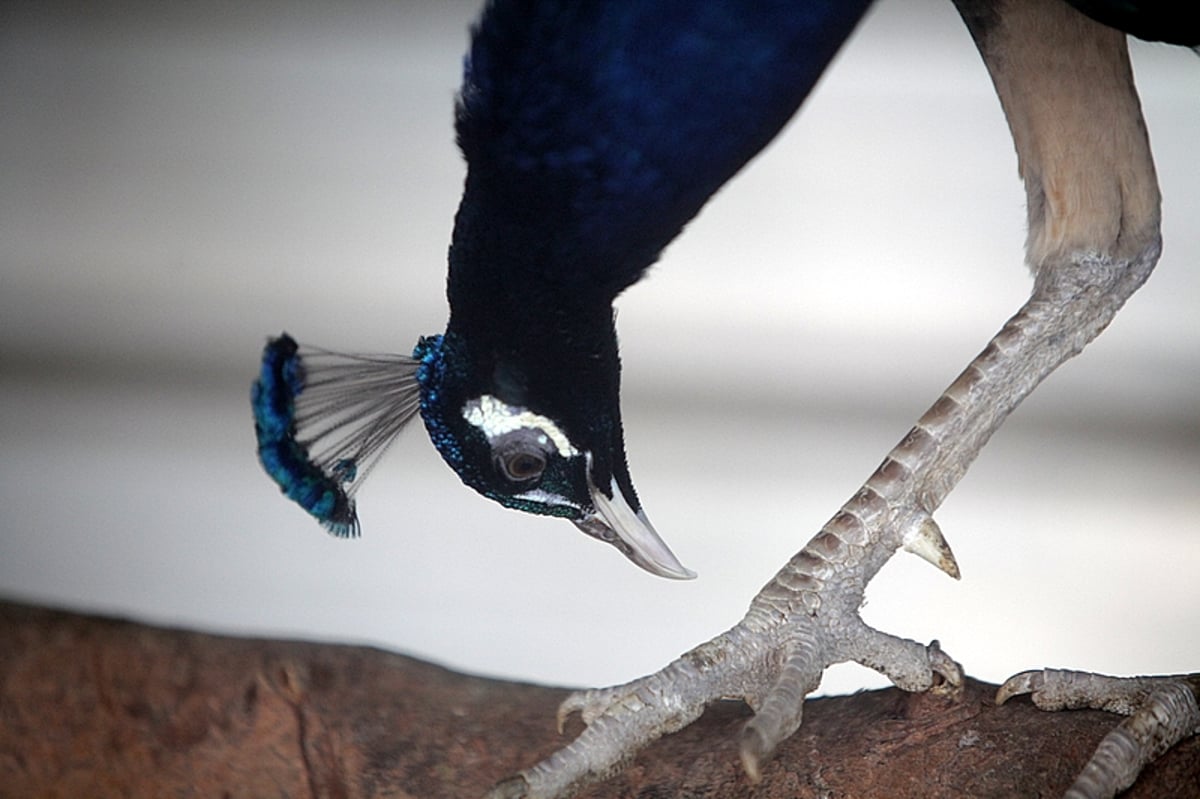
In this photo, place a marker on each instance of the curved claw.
(1059, 689)
(574, 703)
(771, 661)
(782, 708)
(947, 668)
(754, 750)
(511, 788)
(589, 704)
(1161, 710)
(1027, 682)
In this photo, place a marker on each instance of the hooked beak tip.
(631, 532)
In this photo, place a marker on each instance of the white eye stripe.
(546, 498)
(495, 418)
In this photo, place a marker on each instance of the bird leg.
(1067, 91)
(806, 618)
(1162, 712)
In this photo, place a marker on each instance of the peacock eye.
(521, 466)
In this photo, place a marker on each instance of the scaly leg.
(1067, 91)
(806, 618)
(1162, 712)
(1068, 95)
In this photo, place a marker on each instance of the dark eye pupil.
(523, 465)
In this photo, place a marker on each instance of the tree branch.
(99, 708)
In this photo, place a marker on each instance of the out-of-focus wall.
(178, 181)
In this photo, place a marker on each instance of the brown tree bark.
(93, 707)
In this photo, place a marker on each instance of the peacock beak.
(630, 531)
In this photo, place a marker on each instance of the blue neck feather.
(594, 131)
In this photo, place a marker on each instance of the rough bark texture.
(101, 708)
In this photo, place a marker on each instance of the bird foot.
(770, 659)
(1162, 711)
(806, 618)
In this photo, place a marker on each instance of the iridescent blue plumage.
(593, 132)
(430, 353)
(322, 419)
(285, 458)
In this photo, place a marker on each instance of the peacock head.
(536, 446)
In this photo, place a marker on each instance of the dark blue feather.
(322, 420)
(593, 132)
(1171, 21)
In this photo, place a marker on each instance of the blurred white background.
(179, 180)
